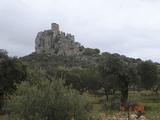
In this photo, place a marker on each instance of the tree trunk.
(1, 102)
(106, 93)
(124, 94)
(114, 91)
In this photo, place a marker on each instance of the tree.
(127, 78)
(148, 72)
(91, 52)
(157, 86)
(110, 67)
(83, 79)
(47, 100)
(117, 73)
(12, 71)
(108, 78)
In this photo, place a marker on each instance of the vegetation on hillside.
(12, 71)
(44, 87)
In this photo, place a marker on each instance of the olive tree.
(149, 74)
(117, 73)
(47, 100)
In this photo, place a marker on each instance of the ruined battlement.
(55, 28)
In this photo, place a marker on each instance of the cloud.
(128, 27)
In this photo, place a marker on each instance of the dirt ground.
(120, 117)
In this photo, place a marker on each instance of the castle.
(56, 42)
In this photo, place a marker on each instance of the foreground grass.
(151, 102)
(2, 117)
(146, 98)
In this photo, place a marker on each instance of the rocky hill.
(56, 42)
(54, 48)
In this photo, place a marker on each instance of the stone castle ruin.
(56, 42)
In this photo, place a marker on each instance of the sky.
(128, 27)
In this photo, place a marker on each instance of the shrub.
(90, 52)
(47, 101)
(12, 71)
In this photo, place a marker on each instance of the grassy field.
(150, 101)
(146, 98)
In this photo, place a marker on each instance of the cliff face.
(54, 42)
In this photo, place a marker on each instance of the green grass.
(150, 101)
(146, 98)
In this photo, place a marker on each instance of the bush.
(12, 71)
(90, 52)
(47, 101)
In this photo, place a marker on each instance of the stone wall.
(54, 42)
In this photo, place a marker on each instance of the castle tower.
(55, 28)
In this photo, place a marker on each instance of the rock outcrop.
(55, 42)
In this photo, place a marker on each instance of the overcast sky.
(129, 27)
